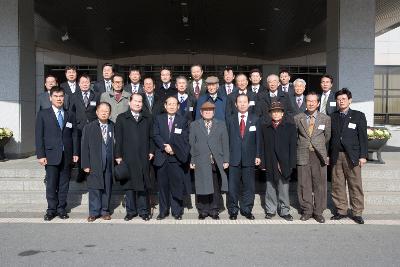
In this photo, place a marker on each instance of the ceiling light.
(183, 4)
(65, 37)
(277, 9)
(252, 43)
(306, 38)
(122, 42)
(262, 29)
(89, 8)
(187, 39)
(185, 19)
(108, 28)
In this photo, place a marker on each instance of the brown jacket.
(319, 138)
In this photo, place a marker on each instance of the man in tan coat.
(313, 134)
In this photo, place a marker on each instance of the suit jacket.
(203, 88)
(202, 145)
(319, 139)
(296, 109)
(68, 90)
(231, 103)
(264, 102)
(83, 114)
(278, 146)
(100, 86)
(222, 89)
(43, 101)
(261, 89)
(220, 106)
(92, 154)
(331, 105)
(128, 88)
(163, 94)
(156, 108)
(243, 151)
(51, 141)
(353, 136)
(290, 89)
(134, 143)
(188, 110)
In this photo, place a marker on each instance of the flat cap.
(207, 105)
(276, 105)
(212, 79)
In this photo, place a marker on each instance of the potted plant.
(5, 136)
(377, 139)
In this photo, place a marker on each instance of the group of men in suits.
(228, 133)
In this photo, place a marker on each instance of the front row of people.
(222, 155)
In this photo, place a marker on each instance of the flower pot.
(376, 145)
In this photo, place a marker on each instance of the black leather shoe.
(178, 217)
(145, 217)
(48, 217)
(233, 217)
(319, 218)
(305, 217)
(338, 217)
(63, 216)
(129, 217)
(249, 216)
(358, 219)
(160, 217)
(215, 217)
(202, 216)
(269, 216)
(287, 217)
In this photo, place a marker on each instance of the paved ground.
(26, 244)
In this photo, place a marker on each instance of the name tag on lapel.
(252, 103)
(321, 127)
(93, 103)
(68, 125)
(252, 128)
(332, 104)
(190, 108)
(352, 125)
(178, 131)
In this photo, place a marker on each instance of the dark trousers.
(241, 176)
(209, 204)
(312, 181)
(57, 186)
(99, 199)
(136, 202)
(171, 187)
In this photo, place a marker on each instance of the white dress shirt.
(72, 85)
(182, 97)
(244, 118)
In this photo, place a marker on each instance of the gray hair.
(181, 77)
(299, 80)
(273, 76)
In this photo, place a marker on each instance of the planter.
(376, 145)
(3, 142)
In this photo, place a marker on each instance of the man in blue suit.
(244, 156)
(57, 147)
(214, 97)
(228, 87)
(171, 137)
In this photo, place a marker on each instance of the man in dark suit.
(197, 87)
(152, 103)
(228, 86)
(255, 77)
(171, 138)
(134, 145)
(298, 100)
(97, 161)
(348, 154)
(278, 159)
(327, 98)
(70, 86)
(134, 85)
(187, 103)
(212, 96)
(243, 157)
(266, 98)
(166, 88)
(44, 97)
(285, 85)
(84, 102)
(231, 105)
(105, 84)
(56, 148)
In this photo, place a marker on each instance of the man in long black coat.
(278, 158)
(171, 137)
(134, 145)
(97, 159)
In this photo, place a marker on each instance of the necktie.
(197, 90)
(150, 97)
(242, 126)
(229, 89)
(170, 124)
(208, 126)
(60, 119)
(136, 116)
(72, 87)
(182, 99)
(108, 86)
(299, 102)
(323, 105)
(104, 132)
(255, 89)
(86, 99)
(135, 89)
(166, 86)
(285, 89)
(311, 125)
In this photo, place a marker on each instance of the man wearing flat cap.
(212, 95)
(209, 151)
(278, 158)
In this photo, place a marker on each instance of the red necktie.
(242, 126)
(197, 90)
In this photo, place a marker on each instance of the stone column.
(350, 50)
(17, 75)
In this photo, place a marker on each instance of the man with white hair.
(298, 100)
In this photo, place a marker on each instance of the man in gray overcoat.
(209, 143)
